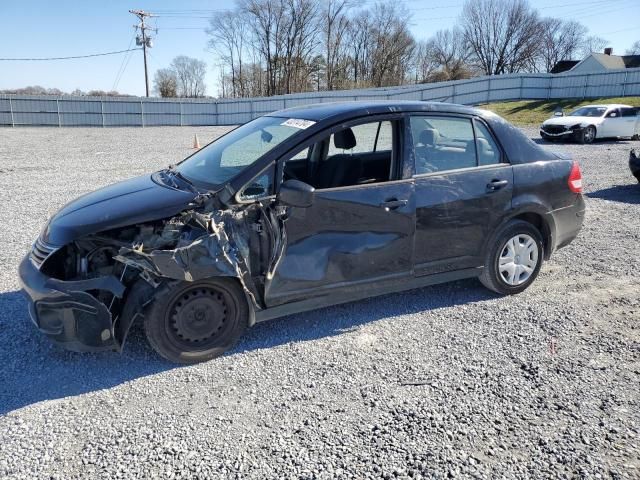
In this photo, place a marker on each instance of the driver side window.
(357, 155)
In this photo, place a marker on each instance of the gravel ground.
(446, 381)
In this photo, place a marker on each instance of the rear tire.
(513, 259)
(588, 135)
(192, 322)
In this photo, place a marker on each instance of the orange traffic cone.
(196, 142)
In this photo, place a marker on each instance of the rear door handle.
(495, 185)
(393, 204)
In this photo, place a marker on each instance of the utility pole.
(143, 40)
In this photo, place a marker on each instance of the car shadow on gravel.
(33, 370)
(343, 318)
(619, 193)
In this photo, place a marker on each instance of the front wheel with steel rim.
(191, 322)
(588, 135)
(513, 260)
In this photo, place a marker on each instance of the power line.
(65, 58)
(122, 64)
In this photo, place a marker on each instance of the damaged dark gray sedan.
(296, 210)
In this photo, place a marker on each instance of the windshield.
(226, 157)
(589, 112)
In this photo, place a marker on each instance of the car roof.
(324, 111)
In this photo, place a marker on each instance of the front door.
(463, 189)
(359, 230)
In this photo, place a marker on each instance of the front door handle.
(495, 185)
(393, 204)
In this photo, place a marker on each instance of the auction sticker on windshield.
(298, 123)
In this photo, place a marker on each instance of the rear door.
(463, 189)
(630, 121)
(359, 231)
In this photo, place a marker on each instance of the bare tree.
(228, 32)
(392, 43)
(266, 20)
(165, 83)
(450, 54)
(503, 34)
(360, 46)
(189, 74)
(635, 48)
(335, 27)
(593, 44)
(424, 64)
(301, 38)
(559, 40)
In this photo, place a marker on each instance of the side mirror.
(294, 193)
(559, 113)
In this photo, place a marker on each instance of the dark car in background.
(634, 164)
(301, 209)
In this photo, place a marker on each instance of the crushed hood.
(132, 201)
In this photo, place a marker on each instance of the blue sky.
(39, 28)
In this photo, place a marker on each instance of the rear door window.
(442, 143)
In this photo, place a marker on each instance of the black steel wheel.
(194, 322)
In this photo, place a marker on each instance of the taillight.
(575, 179)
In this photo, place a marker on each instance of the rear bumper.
(568, 223)
(66, 313)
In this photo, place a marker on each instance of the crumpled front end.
(85, 295)
(67, 313)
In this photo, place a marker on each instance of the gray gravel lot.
(446, 381)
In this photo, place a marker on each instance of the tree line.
(39, 90)
(271, 47)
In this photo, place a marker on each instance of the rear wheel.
(514, 259)
(193, 322)
(588, 135)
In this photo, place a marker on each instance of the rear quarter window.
(518, 147)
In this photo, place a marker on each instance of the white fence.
(63, 111)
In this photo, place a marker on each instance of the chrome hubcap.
(518, 259)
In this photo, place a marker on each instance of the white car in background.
(593, 121)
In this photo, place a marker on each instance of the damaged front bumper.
(574, 132)
(67, 313)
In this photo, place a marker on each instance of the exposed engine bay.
(125, 268)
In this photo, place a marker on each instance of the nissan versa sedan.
(297, 210)
(592, 122)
